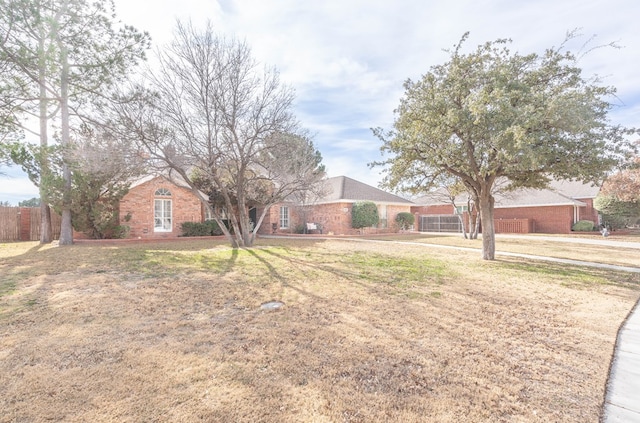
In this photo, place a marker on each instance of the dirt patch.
(162, 332)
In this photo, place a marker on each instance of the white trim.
(518, 206)
(387, 203)
(288, 217)
(164, 216)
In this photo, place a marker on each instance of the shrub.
(617, 213)
(583, 226)
(364, 214)
(208, 228)
(121, 231)
(405, 220)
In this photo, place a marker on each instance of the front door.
(253, 216)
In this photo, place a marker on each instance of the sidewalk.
(622, 400)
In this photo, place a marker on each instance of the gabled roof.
(171, 177)
(345, 189)
(575, 189)
(438, 197)
(534, 198)
(559, 193)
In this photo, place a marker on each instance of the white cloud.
(347, 59)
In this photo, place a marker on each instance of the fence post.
(25, 223)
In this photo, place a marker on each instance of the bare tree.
(224, 124)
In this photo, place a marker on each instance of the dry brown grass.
(537, 245)
(369, 332)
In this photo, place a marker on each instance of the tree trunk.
(464, 227)
(66, 230)
(46, 232)
(488, 228)
(476, 225)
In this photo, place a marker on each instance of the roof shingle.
(342, 188)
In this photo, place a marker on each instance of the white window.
(382, 216)
(221, 211)
(284, 217)
(162, 211)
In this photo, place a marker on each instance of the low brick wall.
(514, 226)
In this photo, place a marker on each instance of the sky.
(347, 59)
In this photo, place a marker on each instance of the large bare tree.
(223, 123)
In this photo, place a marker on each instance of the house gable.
(347, 190)
(155, 198)
(550, 210)
(332, 212)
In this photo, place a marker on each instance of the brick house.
(553, 210)
(156, 207)
(332, 213)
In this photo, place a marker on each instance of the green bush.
(364, 214)
(583, 226)
(616, 213)
(120, 232)
(405, 220)
(208, 228)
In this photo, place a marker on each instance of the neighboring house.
(331, 214)
(552, 210)
(156, 207)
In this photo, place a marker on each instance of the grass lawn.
(370, 332)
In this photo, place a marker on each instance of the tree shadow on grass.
(273, 272)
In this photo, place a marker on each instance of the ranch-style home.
(156, 207)
(553, 210)
(331, 214)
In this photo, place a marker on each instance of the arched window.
(162, 211)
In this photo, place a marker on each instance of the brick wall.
(435, 209)
(393, 211)
(139, 203)
(588, 213)
(548, 219)
(334, 218)
(514, 226)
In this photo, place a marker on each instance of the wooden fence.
(23, 224)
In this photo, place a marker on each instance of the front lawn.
(368, 332)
